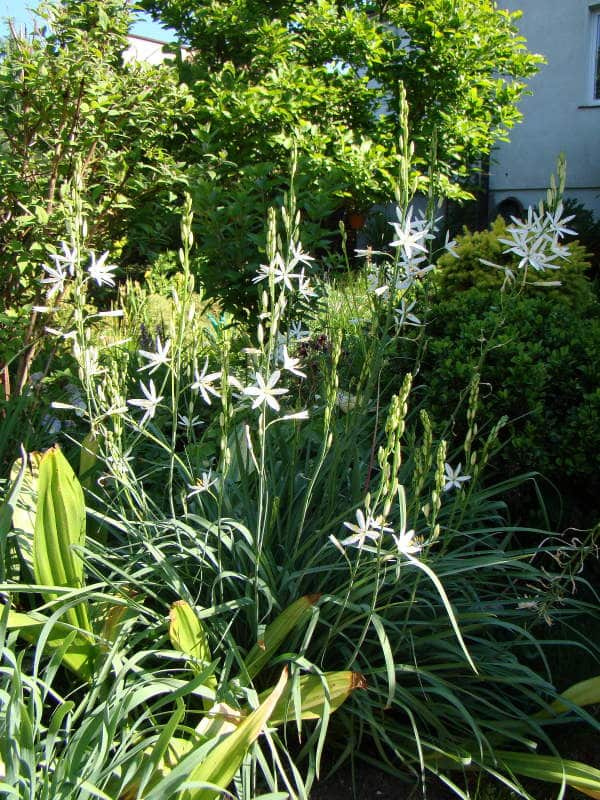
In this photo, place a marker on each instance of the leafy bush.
(588, 230)
(71, 111)
(536, 353)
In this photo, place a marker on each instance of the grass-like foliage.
(271, 525)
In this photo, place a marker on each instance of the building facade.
(562, 115)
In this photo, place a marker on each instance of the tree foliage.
(462, 63)
(69, 106)
(324, 76)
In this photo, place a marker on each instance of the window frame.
(593, 78)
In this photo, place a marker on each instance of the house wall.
(560, 115)
(142, 48)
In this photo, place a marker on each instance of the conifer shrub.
(475, 248)
(538, 354)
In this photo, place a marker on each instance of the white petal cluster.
(264, 392)
(536, 241)
(372, 528)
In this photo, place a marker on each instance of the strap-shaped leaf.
(224, 760)
(79, 654)
(276, 633)
(187, 634)
(554, 769)
(24, 475)
(316, 692)
(584, 693)
(59, 530)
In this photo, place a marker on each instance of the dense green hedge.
(538, 355)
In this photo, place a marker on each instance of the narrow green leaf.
(292, 617)
(444, 598)
(388, 656)
(224, 760)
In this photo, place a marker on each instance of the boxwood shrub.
(538, 355)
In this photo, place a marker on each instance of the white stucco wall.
(142, 48)
(559, 116)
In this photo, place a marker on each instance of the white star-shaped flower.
(157, 359)
(297, 332)
(56, 277)
(279, 271)
(454, 479)
(405, 543)
(410, 235)
(265, 392)
(291, 364)
(203, 383)
(69, 258)
(202, 484)
(304, 286)
(100, 271)
(366, 527)
(403, 315)
(299, 256)
(557, 222)
(188, 422)
(149, 402)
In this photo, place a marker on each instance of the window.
(595, 55)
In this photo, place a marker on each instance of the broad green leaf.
(59, 528)
(584, 693)
(314, 697)
(9, 505)
(25, 470)
(219, 720)
(88, 458)
(188, 636)
(292, 617)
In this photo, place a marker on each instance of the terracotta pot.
(356, 220)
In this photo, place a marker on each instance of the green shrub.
(588, 230)
(538, 362)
